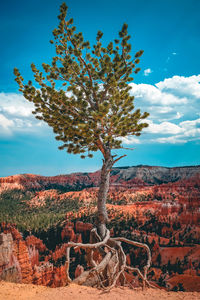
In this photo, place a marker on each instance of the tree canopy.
(84, 94)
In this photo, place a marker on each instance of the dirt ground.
(13, 291)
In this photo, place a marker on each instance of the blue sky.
(168, 86)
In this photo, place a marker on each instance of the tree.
(84, 96)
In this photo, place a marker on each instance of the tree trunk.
(102, 217)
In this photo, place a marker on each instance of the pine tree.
(84, 96)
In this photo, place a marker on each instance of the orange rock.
(34, 241)
(128, 260)
(22, 255)
(68, 233)
(83, 227)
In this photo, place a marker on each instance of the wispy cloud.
(147, 72)
(130, 140)
(171, 56)
(6, 125)
(170, 140)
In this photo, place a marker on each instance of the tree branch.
(119, 158)
(84, 62)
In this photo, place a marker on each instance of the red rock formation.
(19, 259)
(10, 268)
(31, 240)
(131, 176)
(10, 228)
(68, 233)
(43, 274)
(33, 256)
(128, 260)
(20, 251)
(83, 227)
(174, 204)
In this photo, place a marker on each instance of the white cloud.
(20, 123)
(191, 128)
(191, 124)
(185, 132)
(162, 113)
(15, 105)
(180, 85)
(4, 122)
(163, 109)
(173, 104)
(147, 72)
(152, 95)
(5, 125)
(130, 140)
(19, 111)
(171, 140)
(163, 128)
(178, 115)
(16, 115)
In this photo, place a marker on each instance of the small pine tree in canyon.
(84, 96)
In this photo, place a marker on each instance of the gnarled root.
(112, 267)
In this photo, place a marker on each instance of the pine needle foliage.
(93, 109)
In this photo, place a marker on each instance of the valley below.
(155, 205)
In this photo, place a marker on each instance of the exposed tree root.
(111, 270)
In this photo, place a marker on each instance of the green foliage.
(15, 209)
(94, 109)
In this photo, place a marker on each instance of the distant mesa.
(141, 174)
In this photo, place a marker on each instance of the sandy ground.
(13, 291)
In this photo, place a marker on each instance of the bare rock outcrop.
(19, 261)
